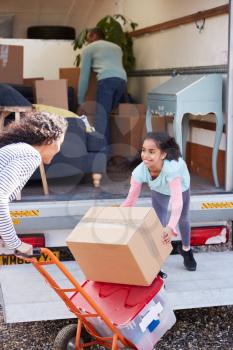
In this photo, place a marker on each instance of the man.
(105, 59)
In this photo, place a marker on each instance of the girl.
(166, 174)
(23, 146)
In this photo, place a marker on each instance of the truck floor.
(113, 185)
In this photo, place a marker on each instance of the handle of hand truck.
(36, 253)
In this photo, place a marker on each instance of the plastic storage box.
(142, 314)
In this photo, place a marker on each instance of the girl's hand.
(167, 234)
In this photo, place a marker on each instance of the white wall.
(183, 46)
(76, 13)
(43, 58)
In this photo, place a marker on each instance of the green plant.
(114, 30)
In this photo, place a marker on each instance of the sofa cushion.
(11, 97)
(95, 142)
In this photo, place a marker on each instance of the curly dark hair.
(166, 144)
(34, 128)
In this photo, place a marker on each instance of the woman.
(23, 146)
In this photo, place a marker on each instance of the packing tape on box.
(147, 234)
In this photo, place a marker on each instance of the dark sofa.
(81, 153)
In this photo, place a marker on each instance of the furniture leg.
(185, 129)
(3, 115)
(44, 180)
(18, 197)
(17, 116)
(148, 120)
(177, 127)
(218, 136)
(96, 179)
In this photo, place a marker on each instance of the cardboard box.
(119, 245)
(30, 82)
(52, 93)
(72, 76)
(159, 124)
(11, 64)
(128, 129)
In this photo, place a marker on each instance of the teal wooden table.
(184, 95)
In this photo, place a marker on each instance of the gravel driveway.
(201, 329)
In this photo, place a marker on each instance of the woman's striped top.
(18, 162)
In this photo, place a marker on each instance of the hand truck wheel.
(65, 339)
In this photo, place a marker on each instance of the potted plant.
(115, 30)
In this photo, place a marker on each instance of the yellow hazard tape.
(16, 221)
(217, 205)
(24, 213)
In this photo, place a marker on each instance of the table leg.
(148, 120)
(18, 196)
(3, 115)
(44, 179)
(185, 130)
(17, 116)
(177, 128)
(218, 136)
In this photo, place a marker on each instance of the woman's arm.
(176, 203)
(7, 230)
(134, 193)
(13, 177)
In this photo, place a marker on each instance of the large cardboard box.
(119, 245)
(128, 129)
(72, 76)
(30, 82)
(52, 93)
(11, 64)
(126, 126)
